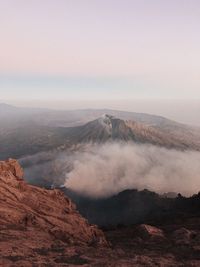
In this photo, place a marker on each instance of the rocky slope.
(174, 244)
(42, 228)
(31, 217)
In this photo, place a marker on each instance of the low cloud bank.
(104, 170)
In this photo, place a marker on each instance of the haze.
(107, 54)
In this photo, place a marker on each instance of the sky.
(99, 50)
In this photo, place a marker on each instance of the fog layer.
(108, 169)
(104, 170)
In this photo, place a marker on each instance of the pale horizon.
(184, 111)
(91, 50)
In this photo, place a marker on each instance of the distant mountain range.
(27, 131)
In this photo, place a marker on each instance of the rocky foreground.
(40, 227)
(33, 220)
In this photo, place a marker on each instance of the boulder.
(183, 236)
(146, 231)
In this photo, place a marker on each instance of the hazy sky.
(99, 49)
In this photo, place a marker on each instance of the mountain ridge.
(37, 132)
(108, 127)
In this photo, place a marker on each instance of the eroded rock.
(150, 232)
(48, 210)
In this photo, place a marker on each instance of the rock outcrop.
(11, 166)
(31, 207)
(150, 232)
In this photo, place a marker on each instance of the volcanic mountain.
(110, 128)
(31, 137)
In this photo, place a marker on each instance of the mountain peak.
(106, 121)
(106, 117)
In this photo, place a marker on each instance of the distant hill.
(133, 207)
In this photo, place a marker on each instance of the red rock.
(23, 205)
(149, 231)
(183, 236)
(12, 166)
